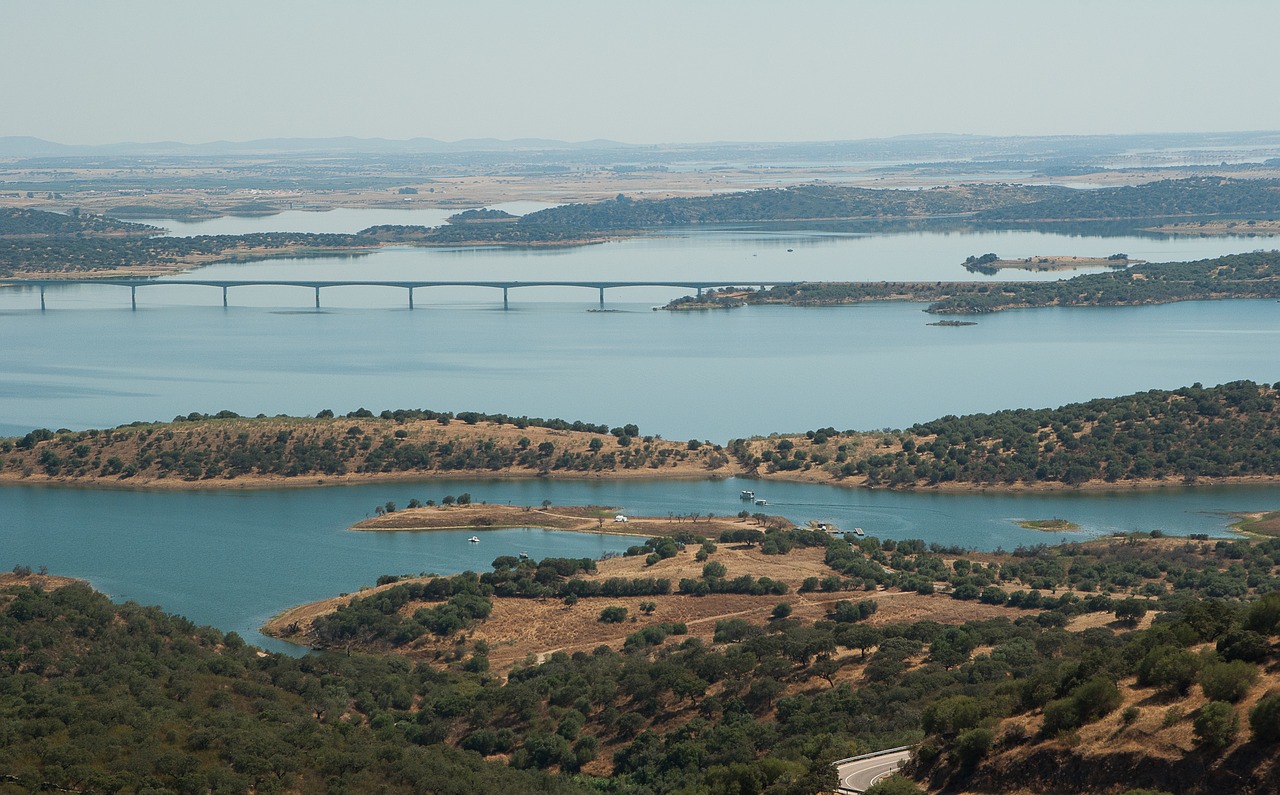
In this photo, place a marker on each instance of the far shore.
(263, 482)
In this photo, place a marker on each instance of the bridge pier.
(133, 297)
(42, 298)
(317, 298)
(504, 298)
(602, 298)
(699, 293)
(224, 297)
(411, 299)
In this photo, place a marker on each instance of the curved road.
(860, 774)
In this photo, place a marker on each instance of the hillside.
(968, 645)
(28, 223)
(990, 204)
(39, 244)
(1189, 435)
(229, 450)
(1192, 435)
(1032, 669)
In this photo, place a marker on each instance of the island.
(577, 518)
(1048, 525)
(1236, 276)
(992, 264)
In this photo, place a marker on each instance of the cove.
(235, 558)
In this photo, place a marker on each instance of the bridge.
(410, 286)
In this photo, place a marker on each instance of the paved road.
(862, 773)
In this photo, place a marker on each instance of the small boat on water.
(524, 555)
(746, 495)
(474, 539)
(762, 502)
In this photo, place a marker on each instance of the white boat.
(524, 555)
(746, 495)
(762, 502)
(474, 539)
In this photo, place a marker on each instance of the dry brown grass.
(520, 629)
(126, 443)
(579, 518)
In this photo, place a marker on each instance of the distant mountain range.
(27, 146)
(930, 148)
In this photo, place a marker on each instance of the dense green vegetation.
(1169, 198)
(1232, 430)
(18, 222)
(802, 202)
(988, 204)
(224, 445)
(35, 241)
(1255, 275)
(99, 697)
(472, 233)
(68, 255)
(1227, 431)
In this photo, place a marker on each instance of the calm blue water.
(710, 375)
(234, 559)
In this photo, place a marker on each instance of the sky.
(649, 72)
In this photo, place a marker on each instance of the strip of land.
(1236, 276)
(577, 518)
(1195, 435)
(1259, 523)
(1052, 263)
(1048, 525)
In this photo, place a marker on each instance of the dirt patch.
(1262, 523)
(521, 630)
(9, 579)
(579, 518)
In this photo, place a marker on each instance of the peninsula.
(1192, 435)
(1235, 276)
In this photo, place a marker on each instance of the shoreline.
(264, 483)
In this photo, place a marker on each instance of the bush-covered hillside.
(1232, 430)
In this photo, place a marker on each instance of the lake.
(234, 559)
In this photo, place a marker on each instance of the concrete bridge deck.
(410, 286)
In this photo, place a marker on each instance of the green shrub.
(1216, 724)
(1264, 719)
(972, 745)
(1228, 681)
(894, 785)
(613, 614)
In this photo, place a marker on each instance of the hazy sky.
(645, 71)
